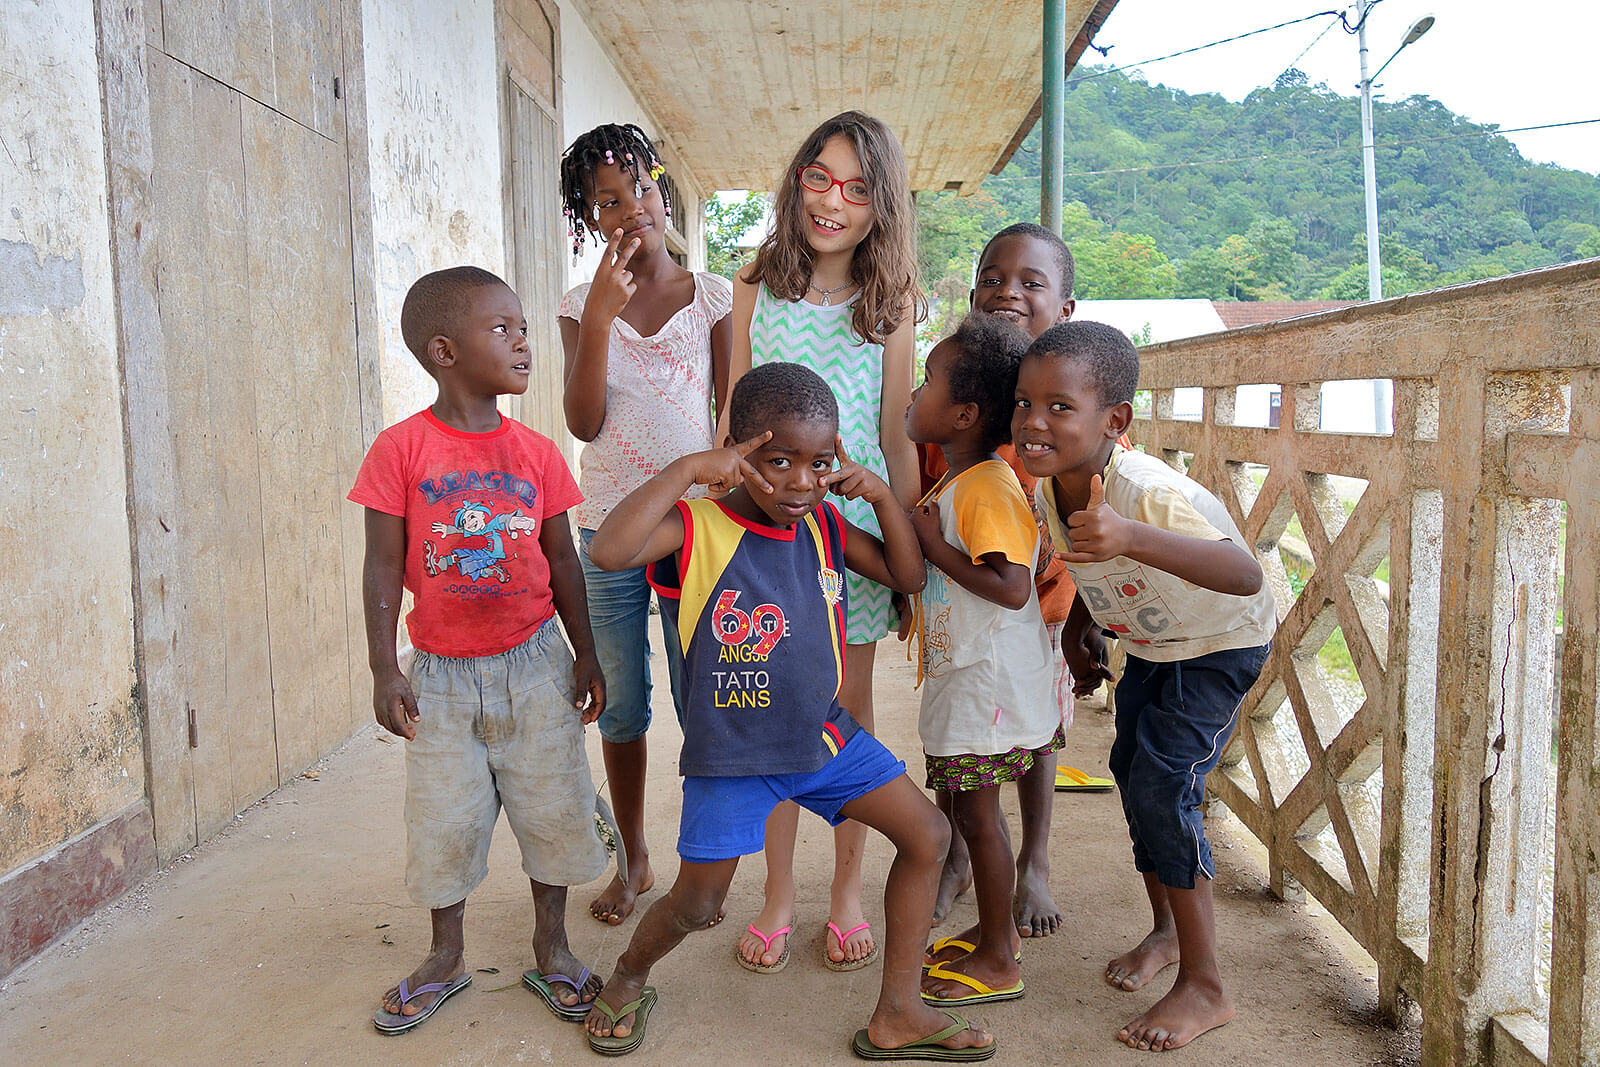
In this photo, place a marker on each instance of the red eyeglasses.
(819, 179)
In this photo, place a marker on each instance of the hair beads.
(604, 146)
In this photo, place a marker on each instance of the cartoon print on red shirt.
(483, 550)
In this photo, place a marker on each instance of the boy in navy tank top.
(754, 583)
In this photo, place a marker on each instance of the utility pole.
(1369, 168)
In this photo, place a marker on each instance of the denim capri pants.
(619, 617)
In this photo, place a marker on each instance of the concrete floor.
(273, 942)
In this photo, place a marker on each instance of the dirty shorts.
(498, 731)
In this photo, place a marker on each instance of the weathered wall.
(70, 751)
(433, 128)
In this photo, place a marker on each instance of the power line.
(1307, 152)
(1200, 48)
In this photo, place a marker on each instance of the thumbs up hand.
(1097, 532)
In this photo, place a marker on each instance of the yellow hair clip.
(657, 171)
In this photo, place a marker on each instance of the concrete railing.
(1413, 798)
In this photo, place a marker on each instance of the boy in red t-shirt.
(467, 510)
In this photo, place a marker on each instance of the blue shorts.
(1173, 721)
(725, 818)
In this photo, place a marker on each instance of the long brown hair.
(884, 264)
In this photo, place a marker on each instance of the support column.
(1055, 76)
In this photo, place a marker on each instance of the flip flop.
(395, 1023)
(982, 994)
(766, 942)
(541, 984)
(621, 1046)
(1072, 780)
(847, 964)
(953, 942)
(927, 1048)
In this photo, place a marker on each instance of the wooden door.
(536, 237)
(251, 204)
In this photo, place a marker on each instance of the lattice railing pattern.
(1411, 800)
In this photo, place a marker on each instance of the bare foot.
(435, 967)
(951, 951)
(1033, 908)
(615, 902)
(888, 1029)
(1188, 1011)
(771, 919)
(1138, 965)
(953, 881)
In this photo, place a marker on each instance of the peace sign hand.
(721, 469)
(1097, 532)
(613, 284)
(853, 481)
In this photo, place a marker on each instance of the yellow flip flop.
(981, 993)
(1072, 780)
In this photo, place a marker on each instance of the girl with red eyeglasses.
(834, 287)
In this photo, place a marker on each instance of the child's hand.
(590, 685)
(1085, 652)
(721, 469)
(925, 520)
(394, 705)
(853, 481)
(1098, 533)
(613, 284)
(902, 605)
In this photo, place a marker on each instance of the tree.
(1279, 213)
(729, 216)
(1123, 266)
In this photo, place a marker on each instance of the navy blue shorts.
(1173, 721)
(724, 818)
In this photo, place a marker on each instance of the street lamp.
(1368, 166)
(1380, 392)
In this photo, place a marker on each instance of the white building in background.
(1347, 406)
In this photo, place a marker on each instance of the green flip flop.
(927, 1048)
(621, 1046)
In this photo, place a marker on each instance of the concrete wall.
(433, 128)
(123, 742)
(70, 754)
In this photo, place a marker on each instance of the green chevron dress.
(822, 338)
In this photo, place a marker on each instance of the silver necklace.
(826, 293)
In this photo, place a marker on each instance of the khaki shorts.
(498, 731)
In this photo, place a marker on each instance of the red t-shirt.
(473, 505)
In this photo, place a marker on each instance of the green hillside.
(1283, 219)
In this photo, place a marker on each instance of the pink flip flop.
(847, 965)
(766, 943)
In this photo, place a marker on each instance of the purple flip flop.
(542, 985)
(394, 1023)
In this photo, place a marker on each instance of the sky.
(1513, 64)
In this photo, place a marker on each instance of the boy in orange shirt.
(1025, 275)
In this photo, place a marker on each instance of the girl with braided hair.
(647, 346)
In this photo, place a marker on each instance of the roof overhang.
(736, 86)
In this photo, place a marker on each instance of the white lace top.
(658, 397)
